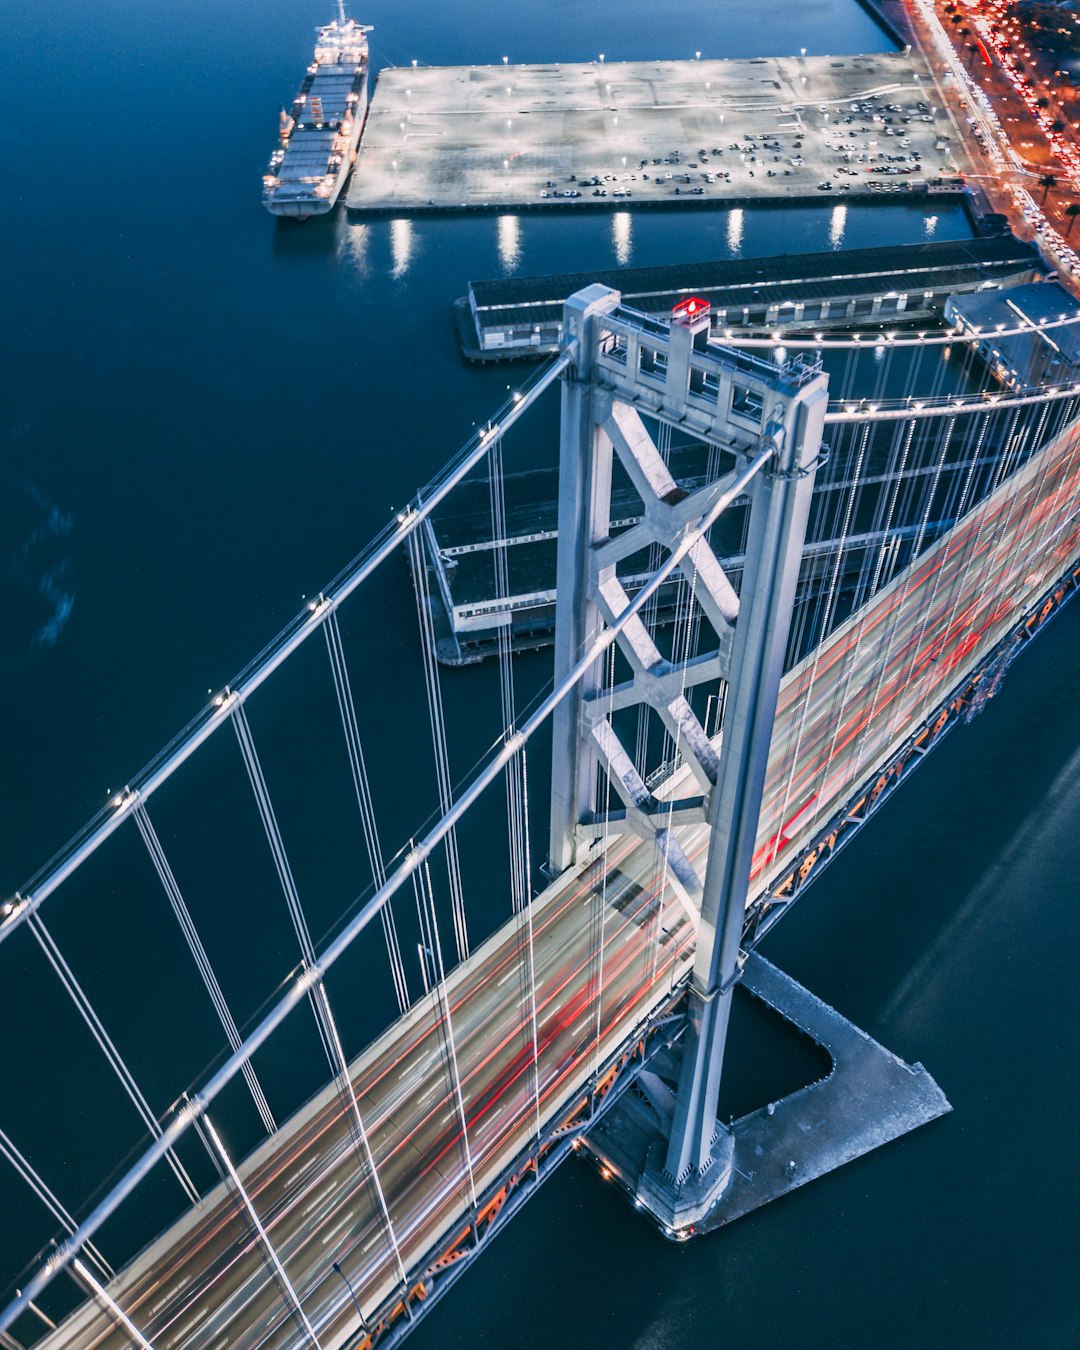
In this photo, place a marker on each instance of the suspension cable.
(110, 1305)
(517, 783)
(362, 1133)
(519, 894)
(362, 785)
(447, 1025)
(320, 1002)
(86, 1011)
(687, 634)
(202, 961)
(285, 1283)
(26, 1170)
(609, 664)
(433, 686)
(530, 946)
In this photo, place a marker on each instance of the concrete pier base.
(868, 1098)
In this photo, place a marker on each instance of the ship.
(320, 133)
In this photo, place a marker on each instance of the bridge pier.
(868, 1098)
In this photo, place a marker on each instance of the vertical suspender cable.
(49, 1200)
(347, 709)
(202, 961)
(281, 862)
(433, 686)
(517, 783)
(362, 1134)
(519, 895)
(82, 1003)
(530, 947)
(264, 1237)
(320, 1001)
(110, 1305)
(272, 829)
(686, 634)
(447, 1024)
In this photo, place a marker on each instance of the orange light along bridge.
(676, 839)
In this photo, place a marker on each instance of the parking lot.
(648, 132)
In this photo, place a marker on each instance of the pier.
(654, 132)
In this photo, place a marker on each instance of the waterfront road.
(606, 952)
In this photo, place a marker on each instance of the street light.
(359, 1311)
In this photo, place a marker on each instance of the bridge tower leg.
(698, 1161)
(585, 464)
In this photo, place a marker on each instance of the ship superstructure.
(320, 132)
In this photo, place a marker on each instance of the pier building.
(522, 316)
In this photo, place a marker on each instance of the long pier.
(651, 133)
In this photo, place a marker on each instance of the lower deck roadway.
(204, 1284)
(648, 132)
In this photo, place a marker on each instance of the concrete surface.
(495, 137)
(868, 1099)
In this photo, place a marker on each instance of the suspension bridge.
(702, 774)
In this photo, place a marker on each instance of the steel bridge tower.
(765, 420)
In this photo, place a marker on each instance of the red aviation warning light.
(691, 311)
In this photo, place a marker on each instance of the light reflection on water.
(401, 246)
(354, 243)
(622, 237)
(837, 225)
(509, 228)
(735, 231)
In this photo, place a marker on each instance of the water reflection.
(930, 226)
(837, 225)
(354, 241)
(622, 237)
(735, 231)
(509, 242)
(401, 245)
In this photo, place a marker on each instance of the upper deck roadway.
(205, 1284)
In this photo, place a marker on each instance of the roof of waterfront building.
(511, 301)
(1035, 355)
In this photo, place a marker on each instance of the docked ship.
(320, 133)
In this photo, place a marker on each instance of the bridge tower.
(762, 422)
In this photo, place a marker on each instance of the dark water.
(204, 414)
